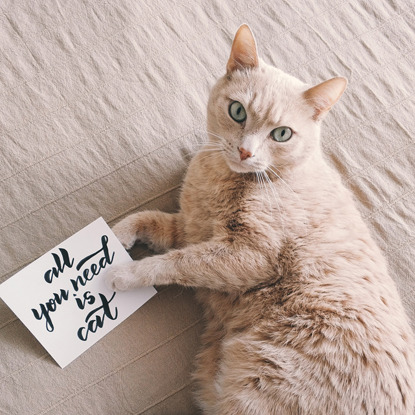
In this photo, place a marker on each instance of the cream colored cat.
(301, 315)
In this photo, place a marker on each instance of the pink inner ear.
(323, 96)
(243, 53)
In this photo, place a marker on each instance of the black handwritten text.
(95, 321)
(95, 268)
(66, 261)
(49, 307)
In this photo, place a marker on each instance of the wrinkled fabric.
(102, 104)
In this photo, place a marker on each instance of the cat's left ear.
(243, 54)
(323, 96)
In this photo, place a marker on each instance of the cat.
(301, 315)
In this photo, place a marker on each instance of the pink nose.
(244, 154)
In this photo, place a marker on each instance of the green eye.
(237, 111)
(281, 134)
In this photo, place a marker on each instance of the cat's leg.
(159, 230)
(249, 383)
(207, 363)
(216, 265)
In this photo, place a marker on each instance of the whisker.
(211, 148)
(213, 134)
(258, 178)
(205, 156)
(265, 190)
(203, 147)
(208, 153)
(277, 197)
(282, 180)
(270, 185)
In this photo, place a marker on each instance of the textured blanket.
(102, 104)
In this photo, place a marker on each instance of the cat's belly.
(238, 313)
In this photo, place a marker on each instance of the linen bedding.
(102, 104)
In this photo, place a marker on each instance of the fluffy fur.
(301, 315)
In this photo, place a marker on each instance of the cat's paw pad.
(125, 233)
(119, 278)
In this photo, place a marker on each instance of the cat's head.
(262, 117)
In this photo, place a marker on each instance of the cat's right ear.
(323, 96)
(243, 54)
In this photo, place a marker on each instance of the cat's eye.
(281, 134)
(237, 111)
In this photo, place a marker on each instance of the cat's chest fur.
(236, 209)
(218, 203)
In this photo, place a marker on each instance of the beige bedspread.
(102, 103)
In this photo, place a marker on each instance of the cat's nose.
(244, 154)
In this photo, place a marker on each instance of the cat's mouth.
(243, 166)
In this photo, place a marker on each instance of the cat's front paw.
(126, 232)
(120, 278)
(134, 274)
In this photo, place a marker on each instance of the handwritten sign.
(62, 298)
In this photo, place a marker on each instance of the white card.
(62, 298)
